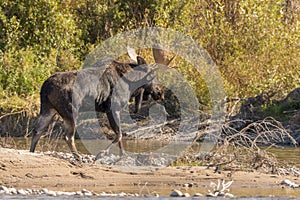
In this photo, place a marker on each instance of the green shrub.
(250, 40)
(22, 73)
(254, 43)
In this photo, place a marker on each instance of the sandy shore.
(21, 169)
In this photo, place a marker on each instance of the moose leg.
(114, 121)
(138, 100)
(69, 128)
(42, 124)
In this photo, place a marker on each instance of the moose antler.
(132, 54)
(160, 57)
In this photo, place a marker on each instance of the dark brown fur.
(63, 94)
(152, 90)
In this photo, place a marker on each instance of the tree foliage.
(255, 43)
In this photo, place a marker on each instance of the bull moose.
(63, 94)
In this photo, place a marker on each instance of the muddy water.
(88, 146)
(289, 155)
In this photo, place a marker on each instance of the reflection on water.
(90, 146)
(290, 155)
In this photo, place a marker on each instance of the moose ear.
(140, 60)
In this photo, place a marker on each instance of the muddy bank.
(285, 111)
(23, 170)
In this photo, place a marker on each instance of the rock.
(88, 194)
(44, 191)
(122, 194)
(95, 194)
(156, 195)
(228, 195)
(29, 191)
(197, 195)
(82, 193)
(186, 195)
(210, 194)
(13, 191)
(79, 193)
(102, 194)
(69, 193)
(40, 192)
(5, 189)
(60, 193)
(85, 192)
(176, 193)
(22, 192)
(51, 193)
(34, 191)
(289, 183)
(292, 97)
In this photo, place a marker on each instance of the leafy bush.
(255, 43)
(250, 40)
(37, 38)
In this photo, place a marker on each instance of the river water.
(290, 155)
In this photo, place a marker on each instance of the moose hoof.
(76, 155)
(101, 154)
(122, 153)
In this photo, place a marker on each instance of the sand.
(21, 169)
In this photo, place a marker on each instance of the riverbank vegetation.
(254, 43)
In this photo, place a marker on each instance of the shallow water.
(89, 146)
(109, 198)
(290, 155)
